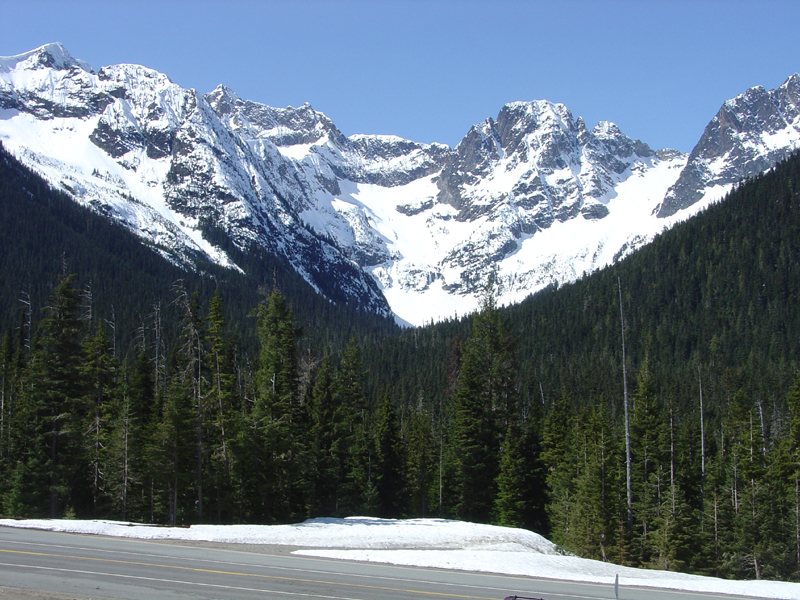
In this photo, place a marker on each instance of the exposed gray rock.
(748, 135)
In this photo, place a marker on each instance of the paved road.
(46, 565)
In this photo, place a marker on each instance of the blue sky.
(429, 70)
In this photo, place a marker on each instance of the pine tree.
(221, 401)
(192, 363)
(650, 481)
(23, 465)
(389, 462)
(280, 413)
(558, 456)
(170, 454)
(484, 403)
(136, 415)
(422, 463)
(327, 450)
(56, 391)
(510, 504)
(121, 456)
(354, 445)
(99, 372)
(6, 402)
(593, 525)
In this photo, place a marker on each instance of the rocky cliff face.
(532, 167)
(748, 135)
(532, 197)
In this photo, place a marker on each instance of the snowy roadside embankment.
(434, 543)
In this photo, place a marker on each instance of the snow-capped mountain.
(748, 135)
(534, 196)
(135, 146)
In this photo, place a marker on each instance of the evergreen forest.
(647, 414)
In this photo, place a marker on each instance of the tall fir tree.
(327, 449)
(99, 372)
(511, 504)
(56, 390)
(484, 403)
(223, 413)
(358, 491)
(279, 413)
(390, 460)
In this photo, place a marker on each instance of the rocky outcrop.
(748, 135)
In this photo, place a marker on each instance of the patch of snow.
(297, 152)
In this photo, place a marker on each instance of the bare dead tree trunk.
(25, 300)
(3, 407)
(196, 374)
(112, 324)
(672, 460)
(627, 420)
(797, 515)
(702, 447)
(763, 429)
(125, 425)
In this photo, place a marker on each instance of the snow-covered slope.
(433, 224)
(134, 146)
(533, 197)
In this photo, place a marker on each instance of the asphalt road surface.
(38, 565)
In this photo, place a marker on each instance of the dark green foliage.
(510, 503)
(389, 471)
(484, 404)
(357, 489)
(279, 415)
(326, 443)
(223, 407)
(170, 454)
(99, 374)
(56, 393)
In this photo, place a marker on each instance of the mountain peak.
(793, 81)
(749, 134)
(370, 218)
(50, 56)
(222, 99)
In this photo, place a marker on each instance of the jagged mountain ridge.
(132, 144)
(748, 135)
(533, 196)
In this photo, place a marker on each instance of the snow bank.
(435, 543)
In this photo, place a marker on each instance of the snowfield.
(434, 543)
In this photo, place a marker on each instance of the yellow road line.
(234, 573)
(194, 583)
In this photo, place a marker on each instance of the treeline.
(188, 431)
(194, 431)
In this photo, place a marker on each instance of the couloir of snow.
(436, 543)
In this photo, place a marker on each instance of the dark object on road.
(520, 598)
